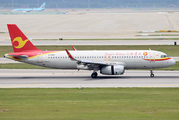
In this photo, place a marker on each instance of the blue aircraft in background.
(41, 8)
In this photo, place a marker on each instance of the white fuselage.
(130, 59)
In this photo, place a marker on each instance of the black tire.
(94, 75)
(152, 75)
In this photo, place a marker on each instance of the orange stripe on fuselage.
(161, 59)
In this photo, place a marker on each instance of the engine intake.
(112, 70)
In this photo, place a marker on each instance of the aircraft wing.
(93, 62)
(86, 61)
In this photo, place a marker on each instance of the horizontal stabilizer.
(20, 56)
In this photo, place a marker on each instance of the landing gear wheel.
(94, 74)
(151, 73)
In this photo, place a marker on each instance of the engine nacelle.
(112, 70)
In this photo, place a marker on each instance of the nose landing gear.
(151, 73)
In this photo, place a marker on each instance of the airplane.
(41, 8)
(108, 62)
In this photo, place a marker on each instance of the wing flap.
(93, 62)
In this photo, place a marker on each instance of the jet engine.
(112, 70)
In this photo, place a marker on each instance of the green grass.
(28, 66)
(19, 66)
(90, 104)
(171, 50)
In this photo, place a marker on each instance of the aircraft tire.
(152, 75)
(94, 74)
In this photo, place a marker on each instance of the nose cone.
(172, 62)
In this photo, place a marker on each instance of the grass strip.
(170, 50)
(19, 66)
(28, 66)
(89, 103)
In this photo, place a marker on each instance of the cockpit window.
(164, 56)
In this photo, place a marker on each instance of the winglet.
(73, 48)
(69, 55)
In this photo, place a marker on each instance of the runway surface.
(99, 42)
(35, 78)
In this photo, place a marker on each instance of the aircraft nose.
(172, 62)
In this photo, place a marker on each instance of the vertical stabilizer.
(43, 6)
(19, 41)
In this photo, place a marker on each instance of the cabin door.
(39, 58)
(152, 57)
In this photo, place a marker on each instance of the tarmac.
(98, 42)
(91, 25)
(34, 78)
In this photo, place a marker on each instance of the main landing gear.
(151, 73)
(94, 74)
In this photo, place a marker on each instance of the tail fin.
(19, 41)
(43, 6)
